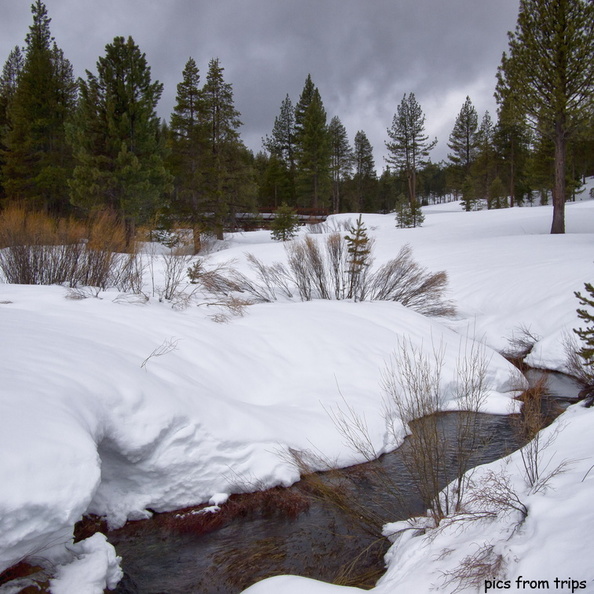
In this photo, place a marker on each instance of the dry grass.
(36, 249)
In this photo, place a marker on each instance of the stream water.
(309, 536)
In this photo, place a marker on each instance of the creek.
(295, 530)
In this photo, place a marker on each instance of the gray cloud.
(362, 54)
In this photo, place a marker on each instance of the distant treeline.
(73, 147)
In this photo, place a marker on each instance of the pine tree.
(188, 149)
(409, 145)
(117, 137)
(483, 170)
(8, 86)
(365, 177)
(285, 223)
(313, 148)
(511, 139)
(586, 335)
(463, 141)
(497, 194)
(470, 200)
(358, 260)
(281, 145)
(305, 99)
(229, 166)
(38, 160)
(341, 159)
(549, 73)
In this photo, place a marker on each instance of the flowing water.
(311, 537)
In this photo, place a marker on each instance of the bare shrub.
(536, 456)
(472, 572)
(331, 226)
(37, 249)
(216, 281)
(411, 382)
(520, 344)
(405, 281)
(574, 362)
(495, 495)
(331, 269)
(336, 253)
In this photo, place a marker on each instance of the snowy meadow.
(123, 406)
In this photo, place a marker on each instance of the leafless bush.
(336, 252)
(216, 281)
(538, 454)
(405, 281)
(495, 495)
(319, 271)
(472, 572)
(520, 344)
(574, 363)
(412, 385)
(331, 226)
(37, 249)
(273, 278)
(176, 264)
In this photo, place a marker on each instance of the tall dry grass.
(37, 249)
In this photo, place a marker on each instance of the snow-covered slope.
(91, 422)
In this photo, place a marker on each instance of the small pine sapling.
(586, 335)
(285, 223)
(358, 260)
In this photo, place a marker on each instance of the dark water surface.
(321, 542)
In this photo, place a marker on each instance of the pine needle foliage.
(285, 224)
(586, 335)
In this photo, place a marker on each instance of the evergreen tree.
(229, 167)
(281, 146)
(463, 141)
(409, 146)
(313, 148)
(358, 260)
(549, 72)
(8, 86)
(484, 168)
(38, 160)
(117, 137)
(305, 99)
(188, 149)
(497, 194)
(470, 200)
(511, 140)
(586, 336)
(365, 177)
(285, 223)
(341, 159)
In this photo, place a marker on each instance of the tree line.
(77, 146)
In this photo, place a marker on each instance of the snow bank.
(92, 423)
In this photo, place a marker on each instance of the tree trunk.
(558, 225)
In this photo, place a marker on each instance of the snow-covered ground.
(114, 406)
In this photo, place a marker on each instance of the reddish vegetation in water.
(24, 570)
(201, 520)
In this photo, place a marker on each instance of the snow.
(115, 407)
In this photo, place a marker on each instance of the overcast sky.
(363, 55)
